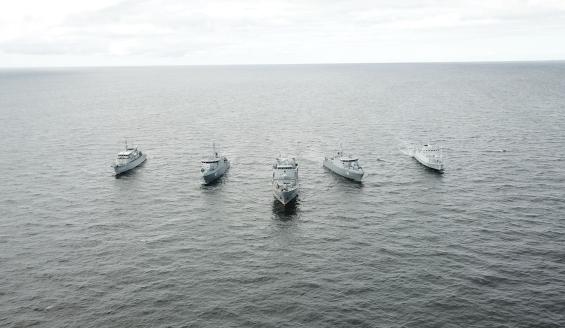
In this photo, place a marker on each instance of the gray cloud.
(270, 31)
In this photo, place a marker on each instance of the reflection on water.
(285, 213)
(211, 185)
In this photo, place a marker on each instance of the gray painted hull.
(285, 197)
(211, 176)
(432, 165)
(348, 174)
(119, 169)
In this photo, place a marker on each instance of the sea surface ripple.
(482, 245)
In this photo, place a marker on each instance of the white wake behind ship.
(345, 165)
(430, 156)
(285, 180)
(214, 166)
(128, 159)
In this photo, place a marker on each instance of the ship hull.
(285, 197)
(424, 161)
(211, 176)
(354, 175)
(119, 169)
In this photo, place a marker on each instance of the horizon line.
(289, 64)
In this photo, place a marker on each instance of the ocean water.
(482, 245)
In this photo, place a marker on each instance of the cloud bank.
(113, 32)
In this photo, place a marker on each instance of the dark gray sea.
(482, 245)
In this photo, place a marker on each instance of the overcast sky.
(192, 32)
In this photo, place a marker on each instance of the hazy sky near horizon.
(192, 32)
